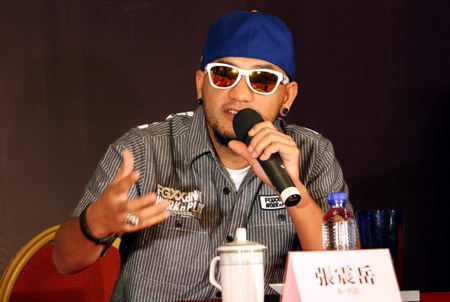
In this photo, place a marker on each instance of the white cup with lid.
(241, 270)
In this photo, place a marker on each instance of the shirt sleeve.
(326, 175)
(104, 173)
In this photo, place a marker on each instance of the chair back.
(32, 276)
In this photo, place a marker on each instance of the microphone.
(274, 167)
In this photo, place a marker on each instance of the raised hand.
(266, 141)
(108, 213)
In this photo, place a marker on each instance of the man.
(178, 189)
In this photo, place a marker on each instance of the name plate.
(350, 276)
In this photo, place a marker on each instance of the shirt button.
(229, 238)
(178, 223)
(281, 217)
(226, 190)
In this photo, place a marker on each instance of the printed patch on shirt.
(187, 204)
(272, 202)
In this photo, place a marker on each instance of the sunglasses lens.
(223, 76)
(263, 81)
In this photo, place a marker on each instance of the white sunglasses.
(262, 81)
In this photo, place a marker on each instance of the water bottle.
(338, 225)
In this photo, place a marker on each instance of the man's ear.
(290, 94)
(199, 79)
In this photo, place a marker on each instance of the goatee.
(223, 139)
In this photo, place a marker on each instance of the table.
(424, 297)
(435, 297)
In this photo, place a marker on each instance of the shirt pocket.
(274, 229)
(176, 251)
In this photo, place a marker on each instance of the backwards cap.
(251, 35)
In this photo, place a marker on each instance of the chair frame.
(21, 259)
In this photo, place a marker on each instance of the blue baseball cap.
(251, 34)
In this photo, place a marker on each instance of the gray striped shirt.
(175, 158)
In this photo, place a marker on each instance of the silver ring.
(132, 219)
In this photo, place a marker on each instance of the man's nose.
(241, 92)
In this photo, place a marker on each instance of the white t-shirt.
(238, 175)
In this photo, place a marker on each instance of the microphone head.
(244, 120)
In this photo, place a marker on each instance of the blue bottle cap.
(339, 197)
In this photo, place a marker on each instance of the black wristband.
(87, 233)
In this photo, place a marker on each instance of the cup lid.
(241, 243)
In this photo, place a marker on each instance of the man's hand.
(266, 141)
(73, 252)
(107, 214)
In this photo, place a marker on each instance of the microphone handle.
(279, 178)
(274, 168)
